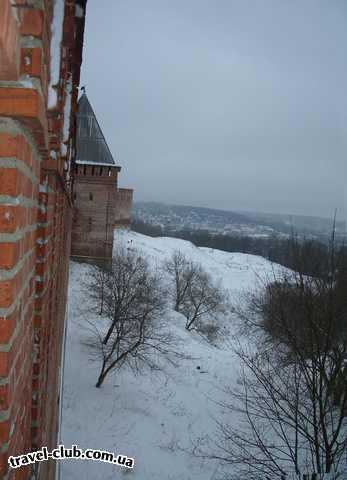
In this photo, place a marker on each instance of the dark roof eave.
(98, 164)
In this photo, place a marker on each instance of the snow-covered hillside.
(154, 416)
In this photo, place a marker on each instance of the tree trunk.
(190, 323)
(108, 334)
(102, 301)
(102, 375)
(100, 381)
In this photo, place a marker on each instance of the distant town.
(176, 218)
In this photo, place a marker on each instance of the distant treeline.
(285, 251)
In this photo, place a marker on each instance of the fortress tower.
(99, 205)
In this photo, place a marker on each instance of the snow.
(57, 32)
(27, 82)
(67, 110)
(79, 12)
(99, 164)
(43, 187)
(63, 149)
(151, 417)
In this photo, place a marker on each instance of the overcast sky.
(232, 104)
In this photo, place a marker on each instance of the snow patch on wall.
(27, 82)
(15, 10)
(79, 12)
(67, 110)
(99, 164)
(67, 116)
(43, 187)
(63, 150)
(57, 33)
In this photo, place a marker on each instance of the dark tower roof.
(91, 146)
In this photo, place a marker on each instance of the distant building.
(99, 205)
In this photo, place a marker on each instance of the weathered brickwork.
(94, 213)
(99, 207)
(124, 202)
(37, 129)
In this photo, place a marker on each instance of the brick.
(7, 327)
(31, 62)
(7, 293)
(9, 288)
(37, 321)
(4, 364)
(24, 151)
(20, 102)
(9, 254)
(5, 396)
(50, 165)
(15, 146)
(5, 428)
(8, 145)
(27, 188)
(32, 22)
(9, 42)
(3, 465)
(10, 218)
(34, 413)
(43, 232)
(9, 181)
(28, 106)
(13, 218)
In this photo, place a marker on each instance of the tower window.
(90, 196)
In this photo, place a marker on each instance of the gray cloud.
(234, 104)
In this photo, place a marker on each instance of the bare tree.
(289, 411)
(97, 284)
(135, 333)
(193, 292)
(204, 299)
(284, 420)
(182, 273)
(124, 287)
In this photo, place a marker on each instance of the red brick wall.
(99, 207)
(124, 202)
(35, 223)
(94, 212)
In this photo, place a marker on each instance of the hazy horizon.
(235, 105)
(237, 210)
